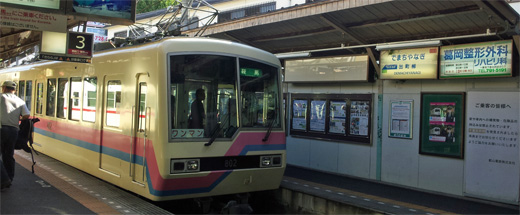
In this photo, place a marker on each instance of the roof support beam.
(516, 40)
(398, 20)
(310, 33)
(372, 57)
(341, 29)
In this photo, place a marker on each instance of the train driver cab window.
(113, 103)
(89, 99)
(259, 95)
(51, 97)
(202, 98)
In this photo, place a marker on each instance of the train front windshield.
(212, 96)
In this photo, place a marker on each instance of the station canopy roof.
(334, 25)
(346, 25)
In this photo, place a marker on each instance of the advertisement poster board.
(317, 122)
(492, 146)
(338, 116)
(487, 59)
(401, 119)
(299, 116)
(417, 63)
(359, 114)
(442, 117)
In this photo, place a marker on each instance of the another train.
(124, 117)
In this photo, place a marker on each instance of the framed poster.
(317, 122)
(338, 115)
(359, 118)
(442, 122)
(299, 116)
(401, 119)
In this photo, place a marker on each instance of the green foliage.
(144, 6)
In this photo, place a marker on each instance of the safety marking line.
(51, 177)
(375, 198)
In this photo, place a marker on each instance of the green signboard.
(486, 59)
(249, 72)
(442, 119)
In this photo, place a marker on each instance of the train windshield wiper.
(214, 135)
(271, 124)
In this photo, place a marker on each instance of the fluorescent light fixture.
(293, 55)
(405, 45)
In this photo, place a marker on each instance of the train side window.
(39, 98)
(51, 97)
(113, 103)
(63, 88)
(21, 89)
(28, 94)
(74, 101)
(89, 99)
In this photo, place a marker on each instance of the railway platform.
(56, 188)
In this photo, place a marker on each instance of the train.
(124, 117)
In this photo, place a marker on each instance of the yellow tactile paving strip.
(363, 195)
(94, 204)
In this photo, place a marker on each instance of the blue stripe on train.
(139, 160)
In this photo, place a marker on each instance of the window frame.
(326, 134)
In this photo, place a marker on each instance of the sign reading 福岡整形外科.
(416, 63)
(487, 59)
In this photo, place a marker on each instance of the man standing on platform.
(12, 110)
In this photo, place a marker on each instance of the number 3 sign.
(80, 43)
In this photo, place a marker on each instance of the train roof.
(175, 44)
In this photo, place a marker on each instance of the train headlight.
(184, 165)
(271, 161)
(266, 161)
(192, 165)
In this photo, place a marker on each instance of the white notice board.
(492, 166)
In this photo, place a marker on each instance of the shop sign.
(487, 59)
(417, 63)
(327, 69)
(32, 20)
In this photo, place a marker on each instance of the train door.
(141, 123)
(111, 125)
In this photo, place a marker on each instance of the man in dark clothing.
(197, 110)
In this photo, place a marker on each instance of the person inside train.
(196, 120)
(13, 109)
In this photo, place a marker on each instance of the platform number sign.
(80, 44)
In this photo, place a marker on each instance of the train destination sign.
(487, 59)
(416, 63)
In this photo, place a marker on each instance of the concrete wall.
(399, 161)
